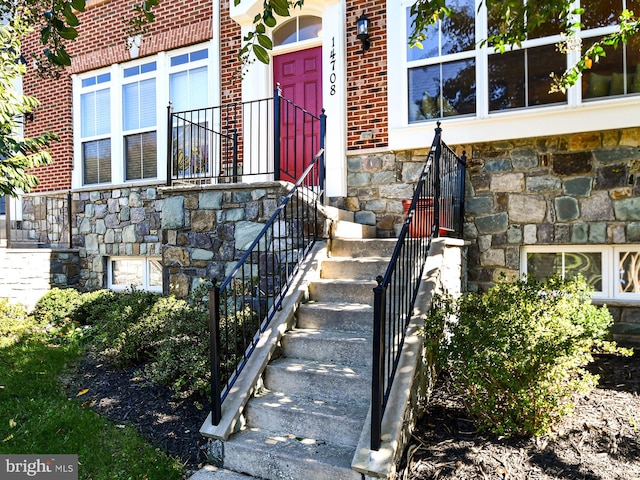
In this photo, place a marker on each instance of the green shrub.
(57, 306)
(122, 327)
(517, 353)
(14, 322)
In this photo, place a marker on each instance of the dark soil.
(600, 441)
(126, 397)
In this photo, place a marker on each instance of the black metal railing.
(45, 222)
(269, 139)
(436, 208)
(243, 305)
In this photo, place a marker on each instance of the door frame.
(258, 79)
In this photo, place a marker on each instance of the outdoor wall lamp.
(363, 32)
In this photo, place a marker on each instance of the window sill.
(619, 112)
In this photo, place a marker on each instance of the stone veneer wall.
(27, 274)
(206, 229)
(117, 222)
(569, 189)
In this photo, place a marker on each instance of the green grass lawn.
(38, 417)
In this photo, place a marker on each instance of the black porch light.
(363, 32)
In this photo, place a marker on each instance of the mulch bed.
(127, 398)
(600, 441)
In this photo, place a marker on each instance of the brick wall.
(230, 44)
(102, 42)
(367, 77)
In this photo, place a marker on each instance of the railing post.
(276, 132)
(69, 218)
(462, 166)
(169, 143)
(377, 378)
(214, 338)
(436, 174)
(234, 136)
(323, 138)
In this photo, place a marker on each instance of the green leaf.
(261, 54)
(79, 5)
(269, 21)
(281, 7)
(265, 41)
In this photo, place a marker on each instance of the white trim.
(145, 260)
(258, 79)
(575, 116)
(609, 266)
(161, 75)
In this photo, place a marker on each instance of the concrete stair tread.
(335, 421)
(209, 472)
(320, 368)
(335, 409)
(350, 230)
(340, 346)
(340, 316)
(271, 456)
(365, 247)
(329, 335)
(345, 281)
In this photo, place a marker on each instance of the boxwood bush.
(517, 353)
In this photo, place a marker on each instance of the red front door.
(300, 77)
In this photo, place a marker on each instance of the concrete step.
(346, 229)
(352, 317)
(336, 422)
(328, 346)
(354, 248)
(319, 381)
(338, 214)
(209, 472)
(354, 268)
(270, 456)
(342, 291)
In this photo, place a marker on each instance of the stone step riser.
(343, 292)
(303, 423)
(335, 317)
(352, 248)
(357, 350)
(264, 458)
(353, 269)
(344, 386)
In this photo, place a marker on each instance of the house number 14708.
(332, 76)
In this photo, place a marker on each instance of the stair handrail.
(438, 193)
(254, 301)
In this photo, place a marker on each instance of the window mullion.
(482, 61)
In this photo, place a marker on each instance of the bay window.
(457, 77)
(118, 111)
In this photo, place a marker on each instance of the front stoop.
(307, 416)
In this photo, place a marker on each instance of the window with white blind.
(95, 108)
(139, 121)
(119, 114)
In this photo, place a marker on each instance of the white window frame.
(161, 74)
(609, 267)
(146, 269)
(137, 78)
(571, 117)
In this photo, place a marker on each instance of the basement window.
(612, 270)
(141, 273)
